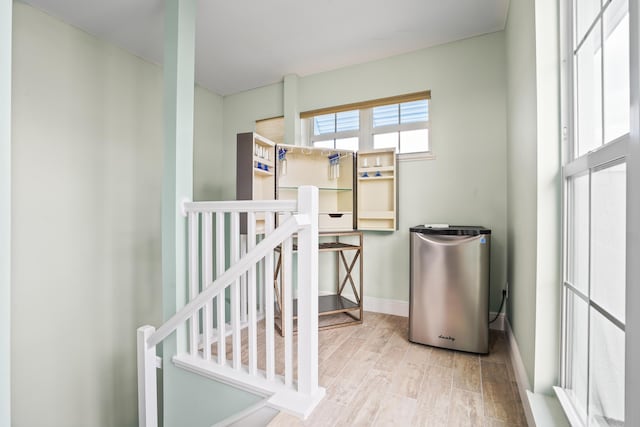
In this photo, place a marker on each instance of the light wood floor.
(375, 376)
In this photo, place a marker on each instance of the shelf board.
(376, 215)
(319, 188)
(262, 172)
(263, 161)
(374, 178)
(330, 304)
(375, 169)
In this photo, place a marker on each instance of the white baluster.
(308, 292)
(193, 281)
(207, 264)
(236, 338)
(220, 268)
(268, 303)
(251, 297)
(287, 310)
(147, 393)
(243, 282)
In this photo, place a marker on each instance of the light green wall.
(208, 147)
(522, 164)
(534, 227)
(466, 184)
(5, 211)
(240, 114)
(86, 183)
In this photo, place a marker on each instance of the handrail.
(274, 239)
(242, 206)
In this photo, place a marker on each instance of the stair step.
(277, 395)
(258, 415)
(260, 418)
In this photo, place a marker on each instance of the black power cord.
(504, 296)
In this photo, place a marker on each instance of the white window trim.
(627, 147)
(366, 131)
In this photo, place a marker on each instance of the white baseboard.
(387, 306)
(521, 374)
(401, 308)
(380, 305)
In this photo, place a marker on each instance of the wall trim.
(401, 308)
(521, 374)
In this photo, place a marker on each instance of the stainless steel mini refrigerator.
(449, 287)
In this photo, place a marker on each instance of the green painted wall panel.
(6, 14)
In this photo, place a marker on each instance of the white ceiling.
(244, 44)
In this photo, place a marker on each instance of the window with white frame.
(399, 122)
(597, 201)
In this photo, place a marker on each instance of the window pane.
(589, 94)
(386, 115)
(616, 70)
(414, 141)
(324, 124)
(324, 144)
(415, 111)
(578, 254)
(348, 120)
(347, 143)
(586, 12)
(606, 373)
(577, 318)
(608, 238)
(386, 140)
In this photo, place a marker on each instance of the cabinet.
(357, 191)
(332, 171)
(377, 190)
(255, 171)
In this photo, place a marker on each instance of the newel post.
(308, 292)
(147, 391)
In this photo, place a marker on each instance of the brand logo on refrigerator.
(452, 339)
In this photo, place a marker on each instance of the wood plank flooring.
(375, 377)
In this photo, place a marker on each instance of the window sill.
(408, 157)
(547, 410)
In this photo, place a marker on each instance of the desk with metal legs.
(341, 305)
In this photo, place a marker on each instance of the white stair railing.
(214, 339)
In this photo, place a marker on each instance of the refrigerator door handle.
(438, 240)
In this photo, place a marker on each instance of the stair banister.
(301, 218)
(233, 273)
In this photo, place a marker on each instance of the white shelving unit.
(359, 191)
(311, 166)
(377, 190)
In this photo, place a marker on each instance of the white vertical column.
(194, 278)
(220, 261)
(147, 389)
(6, 16)
(207, 279)
(251, 297)
(236, 337)
(287, 308)
(268, 302)
(308, 292)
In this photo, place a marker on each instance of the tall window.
(597, 194)
(399, 122)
